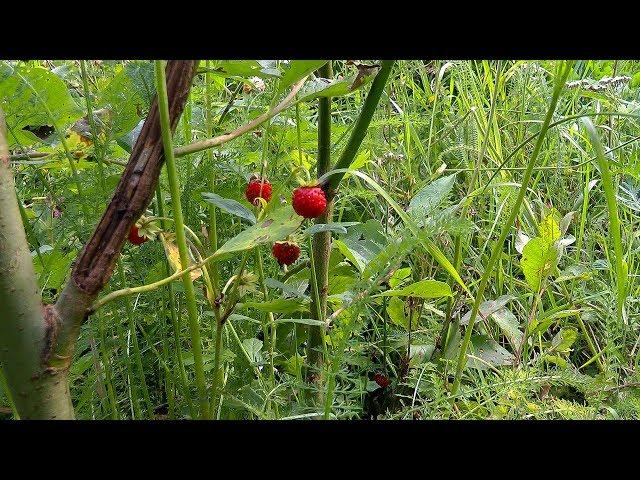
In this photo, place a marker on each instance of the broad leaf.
(362, 243)
(489, 352)
(244, 68)
(173, 256)
(399, 276)
(323, 87)
(395, 309)
(253, 346)
(296, 70)
(128, 97)
(56, 268)
(336, 227)
(422, 289)
(504, 318)
(488, 307)
(34, 97)
(509, 325)
(287, 289)
(278, 225)
(563, 340)
(230, 206)
(549, 227)
(428, 244)
(538, 261)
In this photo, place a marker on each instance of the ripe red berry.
(285, 252)
(309, 202)
(382, 380)
(252, 191)
(134, 236)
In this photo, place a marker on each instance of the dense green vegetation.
(481, 248)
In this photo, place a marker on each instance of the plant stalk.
(174, 184)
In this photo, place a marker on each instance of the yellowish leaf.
(173, 256)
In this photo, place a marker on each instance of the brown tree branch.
(134, 192)
(36, 341)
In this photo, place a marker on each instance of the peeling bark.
(36, 341)
(136, 188)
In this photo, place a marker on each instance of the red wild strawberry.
(382, 380)
(309, 202)
(285, 252)
(134, 236)
(253, 190)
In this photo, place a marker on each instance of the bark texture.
(37, 341)
(27, 328)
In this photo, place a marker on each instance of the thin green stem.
(561, 78)
(137, 356)
(92, 124)
(174, 185)
(362, 124)
(608, 186)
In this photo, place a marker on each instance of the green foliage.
(547, 344)
(540, 254)
(34, 97)
(127, 97)
(276, 226)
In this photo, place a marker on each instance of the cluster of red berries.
(307, 201)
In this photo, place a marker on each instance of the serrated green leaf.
(429, 197)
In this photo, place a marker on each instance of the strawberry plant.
(318, 239)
